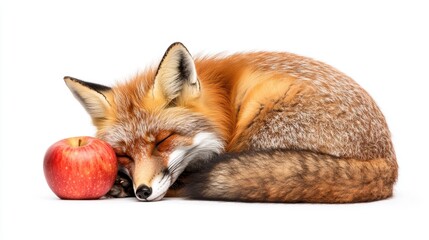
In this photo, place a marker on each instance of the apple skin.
(80, 168)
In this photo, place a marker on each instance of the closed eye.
(124, 159)
(162, 140)
(122, 156)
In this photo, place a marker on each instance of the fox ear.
(93, 97)
(176, 75)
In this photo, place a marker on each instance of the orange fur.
(262, 126)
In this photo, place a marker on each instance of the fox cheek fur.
(259, 127)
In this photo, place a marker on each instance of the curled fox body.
(260, 126)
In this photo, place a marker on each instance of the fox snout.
(150, 178)
(143, 192)
(154, 189)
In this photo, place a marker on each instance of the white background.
(383, 45)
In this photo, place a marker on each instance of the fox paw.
(123, 187)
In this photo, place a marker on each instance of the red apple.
(80, 168)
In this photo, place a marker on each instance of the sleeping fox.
(252, 127)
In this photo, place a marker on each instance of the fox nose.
(143, 192)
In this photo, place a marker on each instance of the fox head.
(153, 122)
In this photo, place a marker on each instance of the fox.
(246, 127)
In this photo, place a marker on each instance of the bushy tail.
(292, 176)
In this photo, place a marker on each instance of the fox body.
(260, 126)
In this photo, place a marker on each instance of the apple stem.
(80, 141)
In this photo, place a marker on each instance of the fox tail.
(292, 176)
